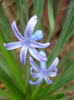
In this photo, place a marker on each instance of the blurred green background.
(56, 19)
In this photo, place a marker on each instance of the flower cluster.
(28, 42)
(42, 72)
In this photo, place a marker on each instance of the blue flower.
(28, 41)
(42, 72)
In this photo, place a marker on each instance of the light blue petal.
(36, 54)
(47, 79)
(38, 35)
(23, 54)
(34, 65)
(37, 82)
(43, 53)
(13, 45)
(30, 27)
(34, 74)
(55, 70)
(16, 32)
(53, 65)
(43, 64)
(39, 45)
(52, 74)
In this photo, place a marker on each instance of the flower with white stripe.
(28, 42)
(42, 72)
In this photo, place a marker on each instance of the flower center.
(27, 42)
(43, 72)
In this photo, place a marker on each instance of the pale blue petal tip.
(30, 58)
(51, 81)
(43, 53)
(38, 35)
(13, 22)
(57, 59)
(35, 17)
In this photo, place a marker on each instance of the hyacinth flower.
(28, 42)
(42, 72)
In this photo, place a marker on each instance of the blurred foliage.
(10, 71)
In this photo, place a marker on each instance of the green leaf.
(67, 98)
(1, 23)
(70, 34)
(26, 10)
(70, 30)
(12, 65)
(65, 58)
(69, 65)
(4, 24)
(67, 78)
(5, 94)
(36, 6)
(3, 65)
(62, 75)
(53, 97)
(56, 50)
(51, 19)
(14, 91)
(36, 90)
(38, 9)
(67, 89)
(10, 0)
(58, 7)
(21, 15)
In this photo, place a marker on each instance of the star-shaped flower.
(28, 41)
(42, 72)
